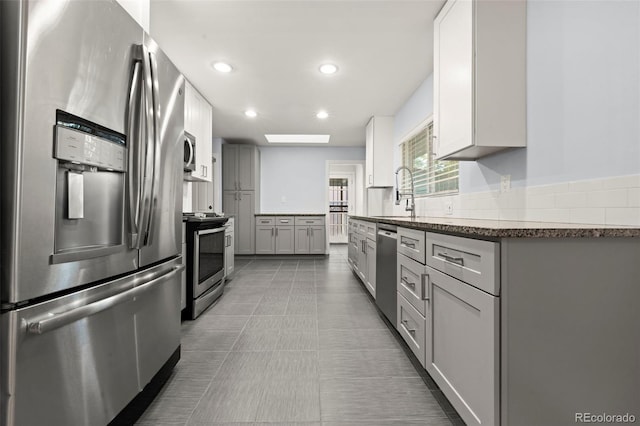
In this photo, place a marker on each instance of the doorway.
(339, 208)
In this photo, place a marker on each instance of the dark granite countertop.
(495, 229)
(291, 214)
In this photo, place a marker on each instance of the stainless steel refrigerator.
(91, 181)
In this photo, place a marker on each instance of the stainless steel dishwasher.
(386, 258)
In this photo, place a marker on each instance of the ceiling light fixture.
(328, 68)
(250, 113)
(222, 67)
(322, 115)
(297, 138)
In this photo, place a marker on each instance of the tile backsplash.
(610, 201)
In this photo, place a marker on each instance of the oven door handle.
(210, 231)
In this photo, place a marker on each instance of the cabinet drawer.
(309, 220)
(412, 327)
(265, 220)
(411, 243)
(371, 228)
(284, 220)
(412, 282)
(475, 262)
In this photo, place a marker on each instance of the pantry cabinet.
(479, 78)
(379, 152)
(198, 121)
(240, 167)
(241, 205)
(241, 188)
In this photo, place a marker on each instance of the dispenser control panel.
(83, 148)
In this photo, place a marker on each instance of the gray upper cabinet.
(479, 79)
(229, 167)
(240, 167)
(247, 167)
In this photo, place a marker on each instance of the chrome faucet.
(400, 195)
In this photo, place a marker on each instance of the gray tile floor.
(296, 342)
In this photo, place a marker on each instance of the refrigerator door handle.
(57, 320)
(149, 144)
(133, 169)
(156, 145)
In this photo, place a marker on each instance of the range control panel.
(82, 148)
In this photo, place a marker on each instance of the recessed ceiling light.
(297, 138)
(222, 67)
(250, 113)
(328, 69)
(322, 115)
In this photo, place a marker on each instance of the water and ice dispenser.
(90, 189)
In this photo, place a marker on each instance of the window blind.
(430, 176)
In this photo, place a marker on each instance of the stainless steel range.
(206, 261)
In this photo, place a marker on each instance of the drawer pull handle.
(407, 283)
(456, 260)
(408, 244)
(406, 327)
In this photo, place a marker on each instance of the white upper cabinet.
(479, 78)
(379, 154)
(198, 121)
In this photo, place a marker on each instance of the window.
(430, 176)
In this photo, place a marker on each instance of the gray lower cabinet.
(183, 281)
(241, 205)
(265, 239)
(412, 326)
(463, 351)
(285, 240)
(310, 239)
(274, 239)
(370, 278)
(229, 251)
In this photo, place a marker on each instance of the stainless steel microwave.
(189, 152)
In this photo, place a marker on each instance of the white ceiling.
(384, 50)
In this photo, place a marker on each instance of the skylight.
(297, 138)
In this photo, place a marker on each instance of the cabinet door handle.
(370, 179)
(424, 279)
(406, 282)
(272, 232)
(408, 244)
(311, 231)
(452, 259)
(276, 232)
(240, 194)
(307, 232)
(235, 196)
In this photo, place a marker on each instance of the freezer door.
(161, 236)
(75, 56)
(81, 358)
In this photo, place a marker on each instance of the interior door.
(163, 238)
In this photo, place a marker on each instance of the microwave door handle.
(156, 147)
(133, 167)
(190, 144)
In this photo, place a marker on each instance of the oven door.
(208, 259)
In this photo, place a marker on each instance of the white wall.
(583, 97)
(583, 117)
(139, 10)
(299, 175)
